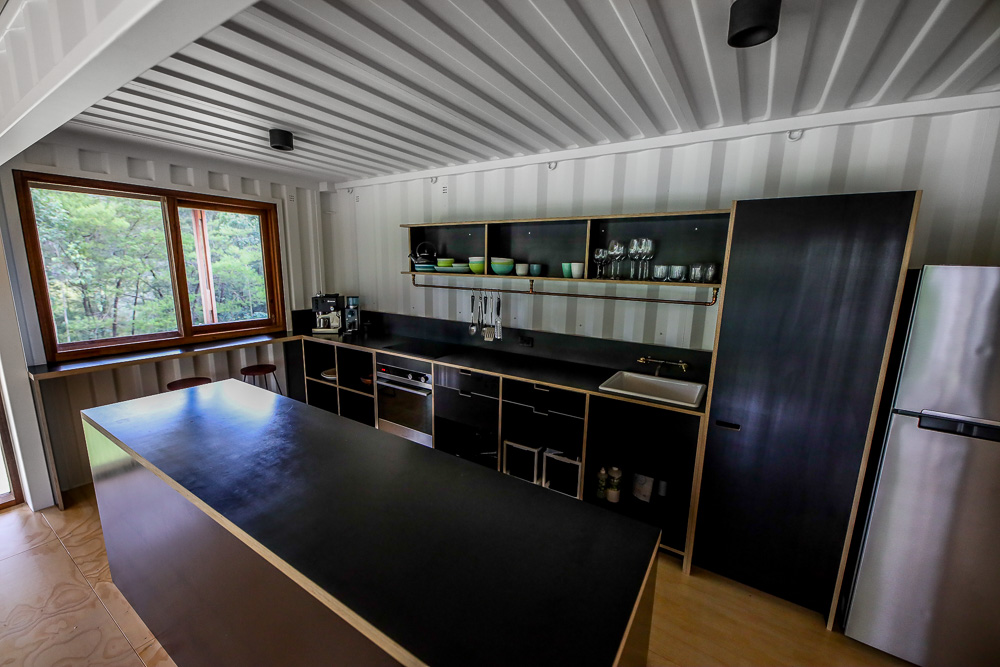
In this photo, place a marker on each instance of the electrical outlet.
(526, 341)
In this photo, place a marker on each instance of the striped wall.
(954, 158)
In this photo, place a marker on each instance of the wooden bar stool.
(184, 383)
(260, 371)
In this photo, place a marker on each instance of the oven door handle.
(401, 387)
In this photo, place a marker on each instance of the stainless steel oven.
(405, 393)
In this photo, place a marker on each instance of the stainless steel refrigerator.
(928, 581)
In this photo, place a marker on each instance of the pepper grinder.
(614, 484)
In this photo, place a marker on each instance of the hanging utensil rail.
(531, 291)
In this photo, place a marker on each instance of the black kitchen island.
(248, 528)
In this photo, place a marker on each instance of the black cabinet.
(355, 369)
(322, 395)
(652, 442)
(295, 378)
(320, 360)
(466, 414)
(357, 407)
(810, 294)
(542, 434)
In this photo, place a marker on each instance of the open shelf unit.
(679, 238)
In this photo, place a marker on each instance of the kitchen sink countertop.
(582, 377)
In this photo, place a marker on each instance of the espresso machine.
(352, 314)
(328, 309)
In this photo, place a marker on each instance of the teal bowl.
(501, 269)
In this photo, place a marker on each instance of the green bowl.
(501, 269)
(478, 267)
(443, 261)
(501, 260)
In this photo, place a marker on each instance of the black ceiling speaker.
(753, 22)
(281, 140)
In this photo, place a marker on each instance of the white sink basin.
(652, 388)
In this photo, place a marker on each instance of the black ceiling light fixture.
(281, 140)
(753, 22)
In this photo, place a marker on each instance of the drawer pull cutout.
(727, 425)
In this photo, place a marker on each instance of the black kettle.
(425, 253)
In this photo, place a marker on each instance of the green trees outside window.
(117, 266)
(107, 265)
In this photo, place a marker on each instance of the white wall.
(954, 158)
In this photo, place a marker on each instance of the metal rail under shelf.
(531, 291)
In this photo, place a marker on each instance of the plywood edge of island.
(343, 611)
(109, 465)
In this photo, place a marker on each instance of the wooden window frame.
(187, 333)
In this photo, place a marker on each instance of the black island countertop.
(458, 564)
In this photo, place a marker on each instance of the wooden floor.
(58, 606)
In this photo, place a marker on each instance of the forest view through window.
(106, 264)
(131, 267)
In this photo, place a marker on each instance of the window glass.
(224, 264)
(106, 264)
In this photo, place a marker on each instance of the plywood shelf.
(564, 280)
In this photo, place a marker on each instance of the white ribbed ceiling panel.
(376, 87)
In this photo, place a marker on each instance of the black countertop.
(458, 564)
(537, 369)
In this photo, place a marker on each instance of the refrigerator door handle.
(942, 422)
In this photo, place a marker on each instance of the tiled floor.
(58, 606)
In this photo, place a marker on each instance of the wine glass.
(600, 259)
(634, 254)
(616, 251)
(646, 249)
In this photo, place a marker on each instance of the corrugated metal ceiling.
(381, 87)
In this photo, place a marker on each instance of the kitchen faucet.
(660, 362)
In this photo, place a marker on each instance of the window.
(117, 267)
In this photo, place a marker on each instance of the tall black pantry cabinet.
(811, 294)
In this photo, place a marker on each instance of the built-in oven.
(405, 391)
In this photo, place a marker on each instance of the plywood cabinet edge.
(699, 459)
(569, 218)
(904, 266)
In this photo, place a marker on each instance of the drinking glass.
(633, 254)
(660, 272)
(697, 272)
(600, 259)
(678, 273)
(616, 251)
(647, 249)
(711, 270)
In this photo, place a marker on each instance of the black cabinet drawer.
(561, 474)
(466, 408)
(354, 369)
(545, 399)
(526, 426)
(472, 443)
(466, 381)
(522, 461)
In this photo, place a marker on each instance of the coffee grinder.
(352, 315)
(328, 311)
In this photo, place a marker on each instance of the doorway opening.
(10, 485)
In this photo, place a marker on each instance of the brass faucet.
(660, 362)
